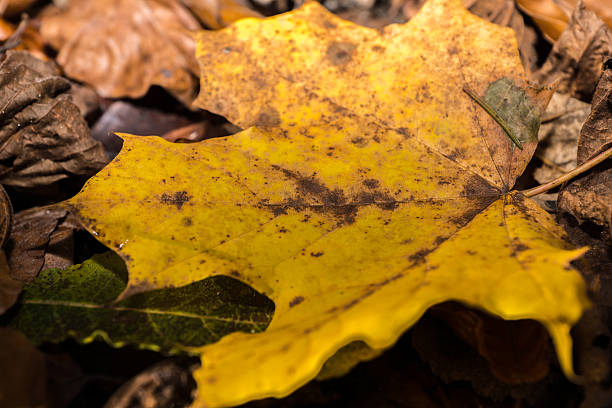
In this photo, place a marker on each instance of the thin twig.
(484, 105)
(568, 176)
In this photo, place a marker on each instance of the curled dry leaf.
(577, 56)
(558, 136)
(43, 136)
(590, 197)
(518, 352)
(40, 238)
(452, 359)
(552, 16)
(123, 47)
(358, 196)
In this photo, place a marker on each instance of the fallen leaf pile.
(44, 137)
(348, 194)
(284, 201)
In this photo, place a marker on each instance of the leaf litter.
(339, 202)
(315, 188)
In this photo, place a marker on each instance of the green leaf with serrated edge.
(77, 302)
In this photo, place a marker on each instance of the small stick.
(568, 176)
(493, 114)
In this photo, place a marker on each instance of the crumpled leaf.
(70, 303)
(577, 56)
(590, 197)
(371, 188)
(122, 47)
(44, 138)
(558, 136)
(551, 16)
(40, 238)
(453, 360)
(500, 342)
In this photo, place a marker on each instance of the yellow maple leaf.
(370, 188)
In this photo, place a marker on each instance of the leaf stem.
(484, 105)
(570, 175)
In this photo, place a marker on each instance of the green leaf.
(79, 302)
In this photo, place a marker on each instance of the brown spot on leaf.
(340, 53)
(296, 301)
(268, 117)
(371, 183)
(179, 198)
(316, 254)
(419, 256)
(187, 221)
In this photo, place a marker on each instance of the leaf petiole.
(493, 114)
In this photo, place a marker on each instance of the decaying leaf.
(577, 56)
(40, 238)
(44, 138)
(453, 360)
(552, 15)
(558, 136)
(122, 47)
(590, 197)
(75, 302)
(358, 196)
(500, 342)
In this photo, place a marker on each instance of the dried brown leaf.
(43, 137)
(558, 136)
(577, 56)
(40, 238)
(552, 16)
(123, 47)
(518, 352)
(590, 197)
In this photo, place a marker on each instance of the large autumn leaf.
(370, 188)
